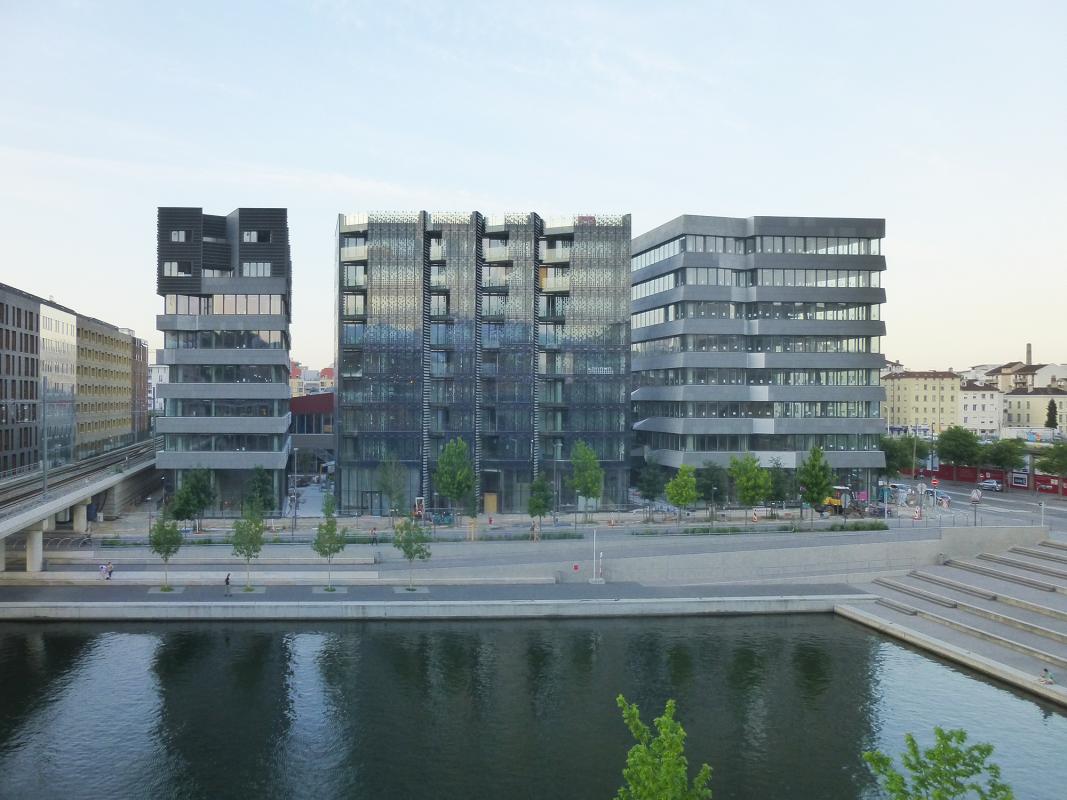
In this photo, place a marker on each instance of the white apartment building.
(981, 408)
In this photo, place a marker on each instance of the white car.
(990, 485)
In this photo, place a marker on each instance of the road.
(1012, 506)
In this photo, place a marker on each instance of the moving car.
(990, 485)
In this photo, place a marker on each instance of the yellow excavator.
(840, 499)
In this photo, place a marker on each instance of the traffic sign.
(976, 495)
(934, 482)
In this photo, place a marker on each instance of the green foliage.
(651, 481)
(194, 495)
(247, 539)
(1053, 461)
(540, 497)
(816, 480)
(656, 767)
(164, 539)
(454, 476)
(260, 490)
(1008, 454)
(328, 541)
(587, 477)
(958, 446)
(1051, 415)
(411, 540)
(682, 488)
(713, 483)
(945, 771)
(902, 452)
(753, 482)
(392, 483)
(781, 481)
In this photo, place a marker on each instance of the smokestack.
(1029, 359)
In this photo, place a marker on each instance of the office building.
(226, 287)
(509, 332)
(759, 335)
(922, 403)
(20, 339)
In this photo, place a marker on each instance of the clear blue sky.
(947, 119)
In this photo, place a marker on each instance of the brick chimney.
(1029, 354)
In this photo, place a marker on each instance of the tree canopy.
(454, 476)
(193, 496)
(713, 483)
(391, 483)
(587, 476)
(413, 542)
(248, 538)
(816, 479)
(650, 481)
(753, 482)
(901, 452)
(1053, 461)
(260, 489)
(164, 539)
(329, 541)
(1008, 454)
(958, 446)
(948, 770)
(541, 497)
(682, 488)
(1051, 415)
(656, 767)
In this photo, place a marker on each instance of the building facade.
(226, 288)
(104, 407)
(20, 412)
(1029, 408)
(981, 408)
(508, 332)
(759, 335)
(157, 374)
(922, 403)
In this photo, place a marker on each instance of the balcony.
(498, 253)
(438, 252)
(562, 284)
(556, 255)
(356, 252)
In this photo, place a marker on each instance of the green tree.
(816, 480)
(1053, 461)
(650, 483)
(753, 482)
(540, 500)
(948, 770)
(781, 483)
(1051, 415)
(454, 475)
(656, 767)
(411, 540)
(328, 541)
(958, 446)
(164, 539)
(903, 453)
(1007, 454)
(682, 488)
(713, 482)
(260, 490)
(194, 496)
(392, 483)
(248, 539)
(587, 477)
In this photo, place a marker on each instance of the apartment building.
(922, 403)
(981, 408)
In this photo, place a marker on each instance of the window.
(439, 305)
(255, 269)
(177, 236)
(175, 269)
(255, 237)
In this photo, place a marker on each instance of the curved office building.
(759, 335)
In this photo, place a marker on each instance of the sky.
(947, 119)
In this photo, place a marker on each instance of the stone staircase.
(1004, 614)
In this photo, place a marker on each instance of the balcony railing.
(499, 253)
(356, 252)
(556, 256)
(556, 284)
(438, 252)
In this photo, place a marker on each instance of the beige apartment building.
(1028, 408)
(103, 411)
(921, 402)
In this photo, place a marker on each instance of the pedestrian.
(110, 569)
(1046, 677)
(374, 536)
(227, 584)
(103, 572)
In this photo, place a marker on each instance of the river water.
(781, 707)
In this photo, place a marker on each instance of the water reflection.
(781, 707)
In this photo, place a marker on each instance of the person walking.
(374, 536)
(103, 572)
(227, 584)
(110, 569)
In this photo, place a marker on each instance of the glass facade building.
(759, 335)
(510, 332)
(225, 285)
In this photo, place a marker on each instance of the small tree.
(958, 445)
(194, 496)
(1054, 460)
(712, 482)
(682, 488)
(165, 540)
(901, 452)
(454, 476)
(411, 540)
(781, 488)
(816, 479)
(260, 490)
(1007, 454)
(1051, 415)
(946, 771)
(753, 482)
(656, 767)
(392, 483)
(650, 483)
(587, 477)
(540, 500)
(328, 541)
(248, 539)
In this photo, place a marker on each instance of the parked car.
(990, 485)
